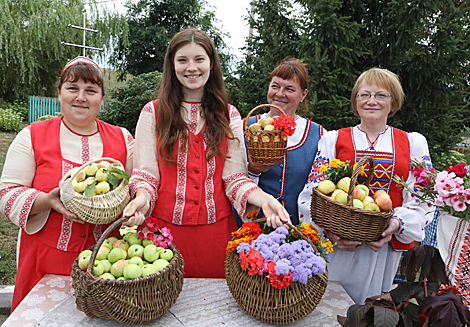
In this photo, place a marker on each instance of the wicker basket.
(266, 303)
(96, 209)
(346, 220)
(134, 301)
(265, 147)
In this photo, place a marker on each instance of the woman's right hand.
(52, 200)
(342, 243)
(136, 209)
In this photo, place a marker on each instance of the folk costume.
(286, 179)
(37, 159)
(364, 273)
(193, 197)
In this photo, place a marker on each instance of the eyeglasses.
(377, 96)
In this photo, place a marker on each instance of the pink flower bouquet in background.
(149, 230)
(448, 189)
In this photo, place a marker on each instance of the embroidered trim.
(180, 187)
(28, 203)
(245, 199)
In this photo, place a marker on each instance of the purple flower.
(301, 274)
(243, 247)
(282, 267)
(285, 251)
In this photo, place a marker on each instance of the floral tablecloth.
(202, 302)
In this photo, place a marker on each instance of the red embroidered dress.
(51, 246)
(193, 198)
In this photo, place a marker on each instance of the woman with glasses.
(366, 269)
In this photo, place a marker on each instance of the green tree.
(128, 100)
(152, 24)
(31, 32)
(425, 42)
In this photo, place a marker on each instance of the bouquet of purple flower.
(283, 258)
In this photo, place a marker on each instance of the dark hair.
(81, 71)
(171, 127)
(292, 68)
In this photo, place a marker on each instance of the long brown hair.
(171, 127)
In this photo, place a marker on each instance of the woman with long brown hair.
(190, 162)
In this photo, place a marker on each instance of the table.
(202, 302)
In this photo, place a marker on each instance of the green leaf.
(113, 180)
(90, 189)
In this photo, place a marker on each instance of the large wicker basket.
(133, 302)
(265, 147)
(347, 220)
(96, 209)
(264, 302)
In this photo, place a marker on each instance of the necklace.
(372, 143)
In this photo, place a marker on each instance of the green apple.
(83, 262)
(151, 253)
(91, 169)
(358, 203)
(148, 270)
(107, 265)
(108, 276)
(269, 128)
(127, 235)
(124, 253)
(115, 255)
(123, 244)
(135, 250)
(103, 164)
(146, 242)
(108, 243)
(134, 239)
(166, 254)
(85, 252)
(112, 239)
(160, 249)
(101, 175)
(103, 253)
(98, 268)
(118, 267)
(363, 187)
(79, 187)
(120, 278)
(102, 188)
(137, 261)
(255, 127)
(160, 264)
(132, 271)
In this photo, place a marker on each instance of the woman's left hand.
(393, 226)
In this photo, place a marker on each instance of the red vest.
(60, 232)
(192, 192)
(386, 166)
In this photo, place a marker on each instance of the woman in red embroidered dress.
(51, 236)
(366, 269)
(190, 159)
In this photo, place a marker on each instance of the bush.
(19, 107)
(45, 117)
(127, 101)
(10, 120)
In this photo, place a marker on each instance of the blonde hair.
(382, 78)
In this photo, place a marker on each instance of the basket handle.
(261, 106)
(355, 174)
(289, 227)
(100, 242)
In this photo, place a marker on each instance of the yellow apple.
(367, 200)
(91, 169)
(255, 127)
(102, 188)
(358, 203)
(372, 206)
(343, 184)
(326, 186)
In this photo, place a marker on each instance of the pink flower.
(152, 223)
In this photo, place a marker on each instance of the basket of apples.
(267, 138)
(128, 279)
(347, 209)
(97, 192)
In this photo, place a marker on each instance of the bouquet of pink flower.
(448, 189)
(149, 230)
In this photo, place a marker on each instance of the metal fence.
(42, 106)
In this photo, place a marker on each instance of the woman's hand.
(51, 200)
(393, 226)
(257, 169)
(342, 243)
(136, 209)
(276, 215)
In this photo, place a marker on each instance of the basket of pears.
(97, 192)
(266, 139)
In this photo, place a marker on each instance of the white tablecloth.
(202, 302)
